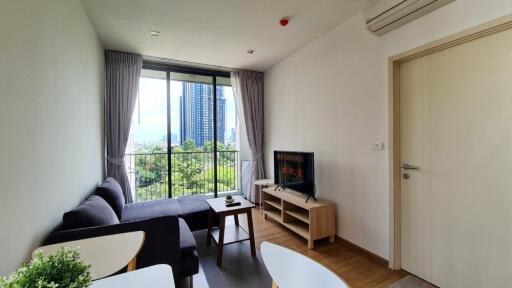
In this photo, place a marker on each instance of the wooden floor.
(354, 267)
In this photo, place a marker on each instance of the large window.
(184, 135)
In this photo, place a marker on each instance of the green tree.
(152, 168)
(187, 166)
(150, 173)
(192, 170)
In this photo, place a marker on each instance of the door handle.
(407, 166)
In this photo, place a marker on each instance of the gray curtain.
(248, 91)
(122, 85)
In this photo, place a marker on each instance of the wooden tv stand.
(312, 220)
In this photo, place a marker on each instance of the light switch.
(377, 146)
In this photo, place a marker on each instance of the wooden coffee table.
(233, 233)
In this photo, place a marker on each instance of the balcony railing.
(191, 173)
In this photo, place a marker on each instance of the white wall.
(331, 98)
(51, 97)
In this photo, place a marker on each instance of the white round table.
(290, 269)
(106, 254)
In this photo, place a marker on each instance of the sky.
(149, 122)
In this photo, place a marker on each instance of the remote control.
(233, 204)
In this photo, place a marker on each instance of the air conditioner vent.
(386, 15)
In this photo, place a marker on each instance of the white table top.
(290, 269)
(264, 182)
(158, 276)
(105, 254)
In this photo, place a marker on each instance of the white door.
(456, 129)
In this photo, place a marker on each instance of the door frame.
(479, 31)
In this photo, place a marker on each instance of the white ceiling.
(216, 32)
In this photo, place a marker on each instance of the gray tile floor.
(199, 280)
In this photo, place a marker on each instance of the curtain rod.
(186, 63)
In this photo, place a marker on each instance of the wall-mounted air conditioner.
(386, 15)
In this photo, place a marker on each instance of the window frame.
(168, 69)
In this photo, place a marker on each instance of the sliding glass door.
(184, 135)
(227, 134)
(192, 153)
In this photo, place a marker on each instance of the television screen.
(295, 170)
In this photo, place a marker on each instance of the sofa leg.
(191, 281)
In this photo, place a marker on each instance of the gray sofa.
(168, 224)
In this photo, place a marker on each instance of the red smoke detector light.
(283, 22)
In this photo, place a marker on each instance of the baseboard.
(360, 249)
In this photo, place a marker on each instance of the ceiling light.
(250, 51)
(154, 33)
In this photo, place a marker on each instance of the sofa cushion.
(151, 209)
(195, 211)
(111, 191)
(92, 212)
(187, 241)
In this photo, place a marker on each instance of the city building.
(232, 137)
(197, 113)
(174, 139)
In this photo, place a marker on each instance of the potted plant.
(63, 269)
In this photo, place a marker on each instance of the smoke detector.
(154, 33)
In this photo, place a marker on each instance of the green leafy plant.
(192, 170)
(63, 269)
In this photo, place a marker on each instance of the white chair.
(290, 269)
(158, 276)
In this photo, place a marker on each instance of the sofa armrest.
(161, 245)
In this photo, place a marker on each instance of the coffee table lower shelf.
(232, 234)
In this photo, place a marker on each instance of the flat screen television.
(296, 171)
